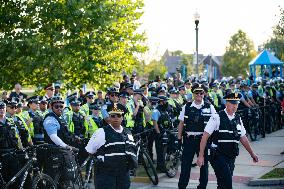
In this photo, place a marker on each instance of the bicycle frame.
(24, 171)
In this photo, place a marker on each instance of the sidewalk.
(268, 150)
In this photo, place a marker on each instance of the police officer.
(9, 140)
(56, 127)
(57, 134)
(34, 120)
(75, 119)
(42, 106)
(161, 121)
(116, 150)
(113, 98)
(94, 121)
(49, 91)
(227, 131)
(193, 119)
(11, 106)
(90, 99)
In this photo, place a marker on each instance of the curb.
(266, 182)
(141, 179)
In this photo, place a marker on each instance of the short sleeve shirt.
(156, 115)
(214, 123)
(98, 140)
(181, 115)
(51, 125)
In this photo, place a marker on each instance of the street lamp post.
(196, 21)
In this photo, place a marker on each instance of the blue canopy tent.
(266, 61)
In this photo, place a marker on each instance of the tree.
(237, 56)
(155, 68)
(76, 42)
(276, 43)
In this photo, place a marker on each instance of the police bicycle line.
(39, 180)
(171, 153)
(260, 120)
(144, 157)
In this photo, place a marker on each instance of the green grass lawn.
(275, 173)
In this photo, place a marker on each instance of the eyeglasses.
(115, 115)
(58, 106)
(12, 107)
(200, 93)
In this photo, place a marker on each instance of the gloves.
(179, 144)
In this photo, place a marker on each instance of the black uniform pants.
(190, 148)
(223, 167)
(107, 181)
(159, 151)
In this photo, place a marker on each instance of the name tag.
(206, 111)
(130, 137)
(239, 127)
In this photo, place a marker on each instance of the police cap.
(33, 99)
(115, 108)
(162, 98)
(233, 98)
(197, 87)
(94, 106)
(90, 93)
(124, 94)
(2, 105)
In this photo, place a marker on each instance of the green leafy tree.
(276, 43)
(76, 42)
(237, 56)
(155, 68)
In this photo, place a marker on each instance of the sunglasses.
(113, 95)
(58, 106)
(12, 107)
(199, 93)
(115, 115)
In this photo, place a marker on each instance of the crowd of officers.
(158, 105)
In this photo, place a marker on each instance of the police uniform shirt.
(51, 125)
(98, 140)
(214, 123)
(198, 106)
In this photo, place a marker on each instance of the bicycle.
(39, 179)
(143, 156)
(172, 153)
(88, 164)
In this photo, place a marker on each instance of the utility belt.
(193, 135)
(214, 153)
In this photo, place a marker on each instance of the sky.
(169, 24)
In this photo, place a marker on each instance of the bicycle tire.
(43, 181)
(149, 167)
(172, 162)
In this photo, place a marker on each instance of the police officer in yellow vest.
(11, 106)
(94, 121)
(215, 96)
(75, 119)
(42, 106)
(90, 99)
(9, 141)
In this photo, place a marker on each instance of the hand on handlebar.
(71, 148)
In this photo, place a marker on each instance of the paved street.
(268, 150)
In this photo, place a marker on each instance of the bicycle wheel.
(172, 162)
(149, 167)
(43, 181)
